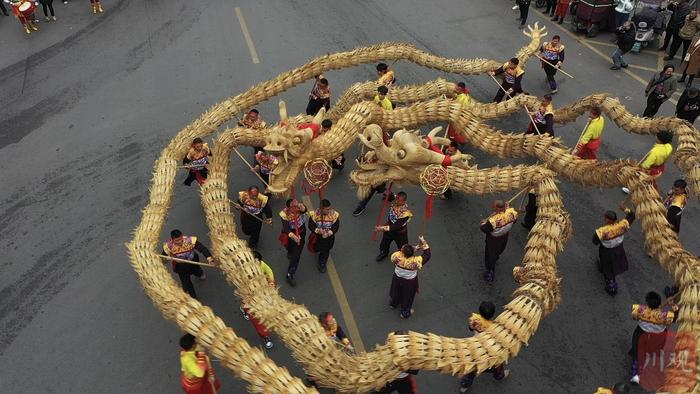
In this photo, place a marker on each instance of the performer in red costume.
(197, 373)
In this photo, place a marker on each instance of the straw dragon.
(537, 294)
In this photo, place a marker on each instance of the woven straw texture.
(537, 295)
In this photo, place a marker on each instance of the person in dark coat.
(680, 10)
(659, 89)
(625, 41)
(688, 107)
(530, 210)
(524, 6)
(612, 259)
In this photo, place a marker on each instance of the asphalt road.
(89, 101)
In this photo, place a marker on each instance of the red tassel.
(428, 207)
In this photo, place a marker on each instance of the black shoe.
(682, 79)
(291, 281)
(322, 269)
(615, 68)
(625, 65)
(382, 255)
(186, 184)
(358, 211)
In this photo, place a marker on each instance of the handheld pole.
(547, 61)
(524, 106)
(164, 257)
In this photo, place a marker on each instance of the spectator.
(524, 6)
(685, 35)
(622, 12)
(551, 7)
(691, 61)
(625, 41)
(3, 9)
(47, 5)
(659, 89)
(560, 13)
(680, 10)
(688, 107)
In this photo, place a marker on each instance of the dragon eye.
(401, 153)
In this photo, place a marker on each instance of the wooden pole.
(237, 205)
(562, 71)
(164, 257)
(581, 135)
(251, 167)
(516, 196)
(524, 106)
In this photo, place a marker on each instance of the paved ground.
(89, 101)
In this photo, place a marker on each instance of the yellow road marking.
(340, 296)
(246, 35)
(599, 53)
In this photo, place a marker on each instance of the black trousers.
(251, 227)
(315, 105)
(47, 4)
(494, 247)
(530, 211)
(689, 116)
(653, 105)
(500, 94)
(551, 72)
(676, 44)
(294, 253)
(379, 189)
(2, 8)
(399, 237)
(192, 176)
(324, 246)
(670, 34)
(551, 6)
(185, 271)
(524, 10)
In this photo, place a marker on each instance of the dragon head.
(290, 141)
(402, 160)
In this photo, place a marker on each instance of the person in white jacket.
(622, 12)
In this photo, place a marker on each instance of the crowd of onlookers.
(26, 13)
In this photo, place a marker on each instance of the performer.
(512, 78)
(464, 99)
(197, 373)
(320, 96)
(589, 142)
(198, 160)
(396, 227)
(260, 328)
(653, 324)
(254, 204)
(323, 224)
(479, 322)
(386, 75)
(186, 247)
(293, 235)
(654, 161)
(552, 52)
(24, 12)
(676, 198)
(530, 210)
(252, 120)
(612, 259)
(96, 6)
(265, 163)
(543, 117)
(496, 227)
(332, 329)
(362, 205)
(404, 382)
(382, 100)
(339, 162)
(620, 388)
(404, 282)
(450, 150)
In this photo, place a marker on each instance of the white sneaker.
(635, 379)
(268, 343)
(245, 315)
(626, 190)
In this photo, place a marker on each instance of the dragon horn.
(283, 111)
(434, 132)
(319, 116)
